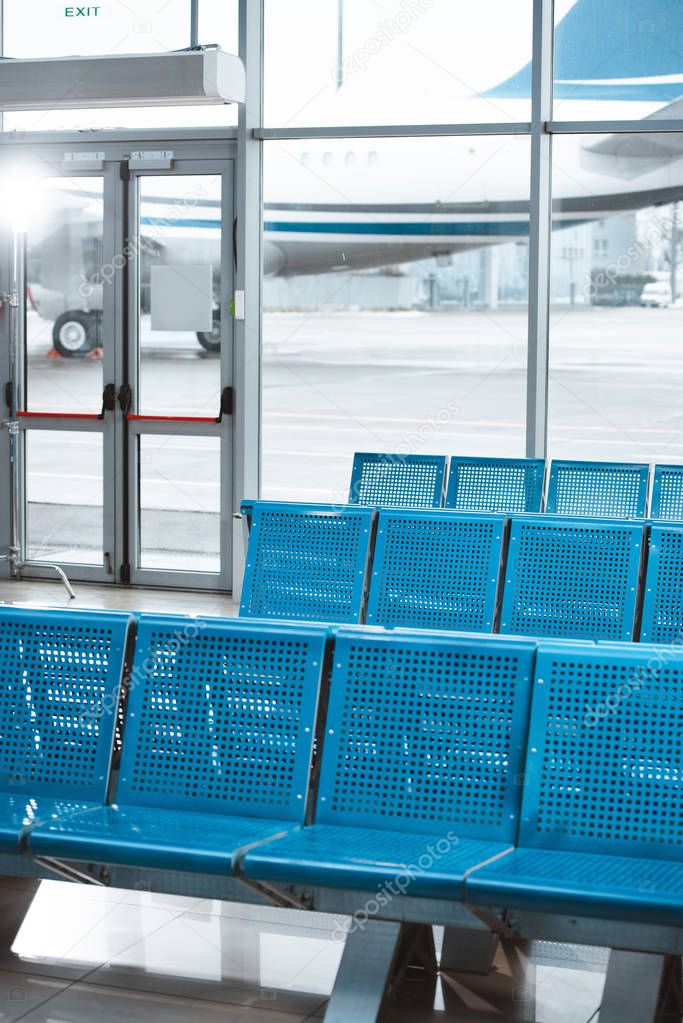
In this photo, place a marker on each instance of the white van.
(657, 294)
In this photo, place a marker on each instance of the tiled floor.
(87, 954)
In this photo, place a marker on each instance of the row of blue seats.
(534, 575)
(497, 771)
(513, 485)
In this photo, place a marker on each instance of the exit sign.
(82, 12)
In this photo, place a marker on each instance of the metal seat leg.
(640, 987)
(379, 962)
(508, 990)
(468, 950)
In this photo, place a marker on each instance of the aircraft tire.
(211, 342)
(73, 333)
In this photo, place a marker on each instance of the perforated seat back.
(495, 484)
(398, 481)
(663, 604)
(617, 490)
(425, 733)
(60, 676)
(221, 716)
(436, 569)
(667, 492)
(306, 561)
(571, 577)
(605, 769)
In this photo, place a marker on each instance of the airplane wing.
(630, 155)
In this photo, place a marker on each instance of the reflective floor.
(84, 954)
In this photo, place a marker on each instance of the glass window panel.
(395, 306)
(64, 521)
(616, 373)
(617, 61)
(218, 23)
(398, 62)
(180, 226)
(136, 26)
(180, 503)
(64, 296)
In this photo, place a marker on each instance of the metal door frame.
(49, 161)
(200, 150)
(138, 425)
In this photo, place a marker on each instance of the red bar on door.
(171, 419)
(57, 415)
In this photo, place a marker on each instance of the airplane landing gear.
(211, 342)
(75, 333)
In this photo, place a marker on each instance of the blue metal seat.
(60, 676)
(617, 490)
(572, 578)
(585, 884)
(19, 813)
(662, 620)
(495, 484)
(217, 746)
(152, 837)
(428, 865)
(306, 561)
(436, 569)
(667, 493)
(398, 481)
(601, 829)
(425, 735)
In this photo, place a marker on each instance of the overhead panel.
(203, 76)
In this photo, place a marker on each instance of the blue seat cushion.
(151, 837)
(19, 813)
(430, 866)
(582, 884)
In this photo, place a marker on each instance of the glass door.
(62, 238)
(180, 357)
(122, 279)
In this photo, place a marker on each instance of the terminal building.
(341, 511)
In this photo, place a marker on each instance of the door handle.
(125, 398)
(227, 404)
(108, 400)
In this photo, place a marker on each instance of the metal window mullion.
(17, 363)
(5, 467)
(647, 126)
(2, 51)
(194, 23)
(540, 231)
(246, 475)
(5, 374)
(391, 131)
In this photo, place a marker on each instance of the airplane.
(348, 205)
